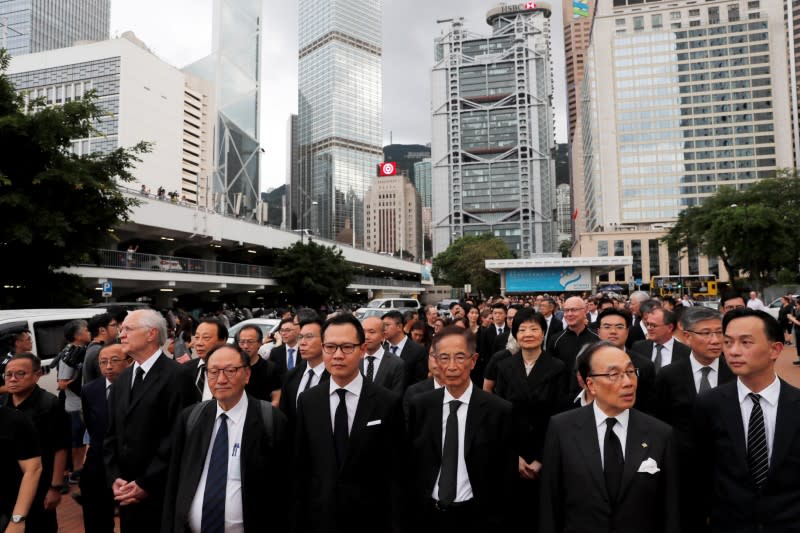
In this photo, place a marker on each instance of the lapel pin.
(644, 445)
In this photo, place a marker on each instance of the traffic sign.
(107, 289)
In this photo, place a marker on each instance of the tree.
(464, 262)
(54, 205)
(312, 274)
(751, 230)
(565, 247)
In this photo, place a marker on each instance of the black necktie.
(757, 456)
(657, 362)
(705, 385)
(448, 477)
(370, 368)
(310, 376)
(137, 382)
(394, 349)
(340, 433)
(201, 378)
(613, 460)
(213, 518)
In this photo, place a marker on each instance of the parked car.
(401, 304)
(775, 305)
(266, 325)
(161, 263)
(366, 312)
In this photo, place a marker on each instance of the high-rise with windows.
(492, 151)
(679, 99)
(339, 116)
(28, 26)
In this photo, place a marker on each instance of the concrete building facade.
(393, 217)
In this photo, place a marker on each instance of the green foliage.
(565, 247)
(464, 262)
(312, 274)
(54, 205)
(752, 230)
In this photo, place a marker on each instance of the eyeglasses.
(19, 374)
(285, 331)
(613, 377)
(230, 372)
(248, 341)
(308, 336)
(113, 361)
(609, 327)
(459, 358)
(650, 325)
(707, 334)
(347, 348)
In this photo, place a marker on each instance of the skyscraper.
(28, 26)
(493, 133)
(233, 67)
(339, 115)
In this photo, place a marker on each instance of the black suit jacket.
(574, 496)
(391, 372)
(488, 453)
(680, 352)
(414, 390)
(94, 407)
(415, 358)
(262, 464)
(367, 493)
(553, 328)
(535, 398)
(635, 334)
(735, 503)
(646, 384)
(137, 445)
(291, 384)
(191, 369)
(278, 356)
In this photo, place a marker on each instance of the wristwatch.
(17, 518)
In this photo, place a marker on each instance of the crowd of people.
(568, 413)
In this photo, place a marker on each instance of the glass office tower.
(28, 26)
(339, 116)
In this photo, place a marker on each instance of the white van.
(47, 332)
(400, 304)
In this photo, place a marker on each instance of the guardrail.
(167, 263)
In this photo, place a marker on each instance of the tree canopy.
(464, 262)
(312, 273)
(751, 230)
(55, 206)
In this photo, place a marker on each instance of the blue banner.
(548, 279)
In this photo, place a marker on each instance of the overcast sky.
(179, 31)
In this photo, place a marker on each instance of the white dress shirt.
(350, 399)
(666, 352)
(378, 355)
(582, 397)
(146, 366)
(318, 370)
(234, 517)
(463, 486)
(713, 376)
(769, 406)
(620, 429)
(400, 345)
(206, 389)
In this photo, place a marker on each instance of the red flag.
(387, 169)
(575, 214)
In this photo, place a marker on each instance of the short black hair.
(453, 304)
(395, 315)
(317, 321)
(613, 311)
(772, 328)
(99, 321)
(253, 327)
(72, 328)
(222, 330)
(526, 314)
(499, 305)
(305, 314)
(285, 321)
(245, 358)
(339, 320)
(730, 295)
(36, 363)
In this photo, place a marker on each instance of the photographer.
(70, 363)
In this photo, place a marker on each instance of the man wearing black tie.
(209, 334)
(607, 466)
(350, 441)
(462, 458)
(398, 343)
(144, 405)
(228, 464)
(309, 372)
(96, 496)
(749, 433)
(379, 365)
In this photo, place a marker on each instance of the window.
(638, 23)
(655, 21)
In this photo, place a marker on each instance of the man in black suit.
(308, 372)
(350, 439)
(636, 300)
(432, 383)
(413, 355)
(677, 387)
(228, 464)
(379, 365)
(144, 405)
(749, 433)
(607, 466)
(287, 355)
(96, 495)
(486, 343)
(462, 475)
(210, 333)
(661, 347)
(554, 326)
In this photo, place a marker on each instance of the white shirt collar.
(237, 412)
(600, 416)
(354, 386)
(108, 383)
(400, 345)
(318, 369)
(378, 353)
(149, 362)
(668, 345)
(696, 365)
(464, 397)
(770, 393)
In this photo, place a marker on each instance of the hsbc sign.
(388, 168)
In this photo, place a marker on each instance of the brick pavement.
(70, 519)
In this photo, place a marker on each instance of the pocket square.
(649, 466)
(373, 423)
